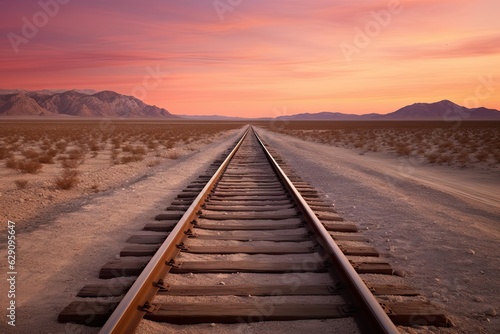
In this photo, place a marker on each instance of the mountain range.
(83, 103)
(90, 103)
(442, 110)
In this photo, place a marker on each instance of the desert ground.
(465, 144)
(48, 163)
(63, 245)
(437, 222)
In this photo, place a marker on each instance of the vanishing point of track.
(249, 218)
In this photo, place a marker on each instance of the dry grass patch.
(24, 165)
(474, 143)
(137, 150)
(173, 154)
(30, 145)
(154, 162)
(3, 153)
(29, 166)
(67, 180)
(76, 154)
(21, 184)
(11, 163)
(68, 163)
(403, 149)
(482, 156)
(131, 158)
(46, 159)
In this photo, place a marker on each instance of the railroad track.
(247, 243)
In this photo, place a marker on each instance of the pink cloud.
(478, 46)
(264, 54)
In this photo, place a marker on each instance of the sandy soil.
(95, 174)
(74, 239)
(470, 145)
(438, 224)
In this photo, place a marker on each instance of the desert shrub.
(463, 158)
(21, 184)
(31, 154)
(173, 154)
(432, 157)
(320, 139)
(127, 148)
(75, 154)
(445, 158)
(52, 152)
(67, 180)
(403, 149)
(68, 163)
(3, 152)
(420, 150)
(138, 150)
(442, 149)
(359, 144)
(152, 145)
(94, 147)
(169, 144)
(114, 156)
(61, 145)
(45, 147)
(11, 163)
(154, 162)
(13, 147)
(29, 166)
(131, 158)
(46, 159)
(482, 155)
(116, 142)
(496, 155)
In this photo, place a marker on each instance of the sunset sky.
(258, 57)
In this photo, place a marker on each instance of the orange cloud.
(262, 57)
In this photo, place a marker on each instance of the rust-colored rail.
(131, 309)
(377, 318)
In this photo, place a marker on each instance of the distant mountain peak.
(77, 103)
(107, 95)
(441, 110)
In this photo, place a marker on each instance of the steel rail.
(130, 311)
(379, 321)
